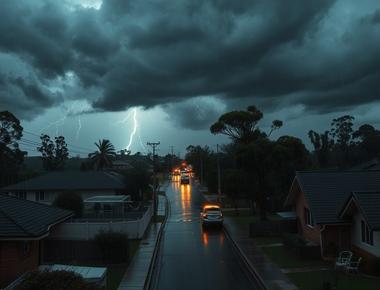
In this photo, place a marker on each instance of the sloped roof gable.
(326, 192)
(71, 180)
(27, 219)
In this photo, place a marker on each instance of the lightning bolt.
(134, 112)
(141, 142)
(59, 122)
(79, 127)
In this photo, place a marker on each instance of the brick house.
(318, 198)
(23, 224)
(362, 210)
(45, 188)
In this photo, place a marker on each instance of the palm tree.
(102, 158)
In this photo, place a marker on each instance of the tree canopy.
(11, 157)
(54, 154)
(102, 158)
(240, 126)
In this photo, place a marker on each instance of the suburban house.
(23, 225)
(337, 210)
(45, 188)
(362, 209)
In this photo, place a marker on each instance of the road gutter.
(248, 265)
(152, 266)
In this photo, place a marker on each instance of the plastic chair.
(353, 266)
(344, 259)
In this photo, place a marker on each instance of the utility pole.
(219, 181)
(155, 184)
(171, 158)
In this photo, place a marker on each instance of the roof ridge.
(14, 221)
(34, 202)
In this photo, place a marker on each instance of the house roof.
(70, 180)
(326, 191)
(368, 204)
(27, 219)
(108, 199)
(372, 164)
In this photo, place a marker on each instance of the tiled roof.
(27, 219)
(369, 204)
(70, 180)
(326, 192)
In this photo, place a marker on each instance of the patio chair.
(353, 266)
(343, 260)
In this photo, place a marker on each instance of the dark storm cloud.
(18, 95)
(148, 53)
(194, 113)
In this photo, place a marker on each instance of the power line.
(68, 144)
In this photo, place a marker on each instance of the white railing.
(87, 230)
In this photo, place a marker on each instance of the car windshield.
(213, 209)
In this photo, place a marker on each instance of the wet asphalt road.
(193, 258)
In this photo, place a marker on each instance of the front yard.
(308, 274)
(315, 279)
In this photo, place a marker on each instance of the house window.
(308, 217)
(21, 195)
(25, 248)
(40, 195)
(367, 234)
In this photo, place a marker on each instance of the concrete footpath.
(137, 272)
(271, 275)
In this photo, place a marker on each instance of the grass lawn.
(287, 259)
(245, 217)
(314, 280)
(262, 241)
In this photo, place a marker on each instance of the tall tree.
(54, 153)
(199, 157)
(240, 126)
(102, 158)
(341, 131)
(323, 145)
(11, 157)
(368, 139)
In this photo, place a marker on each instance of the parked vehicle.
(211, 215)
(185, 179)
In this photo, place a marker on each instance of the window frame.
(366, 233)
(39, 194)
(309, 220)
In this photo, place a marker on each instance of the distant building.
(23, 224)
(338, 209)
(45, 188)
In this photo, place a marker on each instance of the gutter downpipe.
(321, 240)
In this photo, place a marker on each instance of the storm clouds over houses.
(194, 59)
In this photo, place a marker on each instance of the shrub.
(58, 280)
(70, 201)
(114, 246)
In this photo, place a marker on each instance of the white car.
(211, 215)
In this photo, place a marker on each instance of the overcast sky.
(88, 68)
